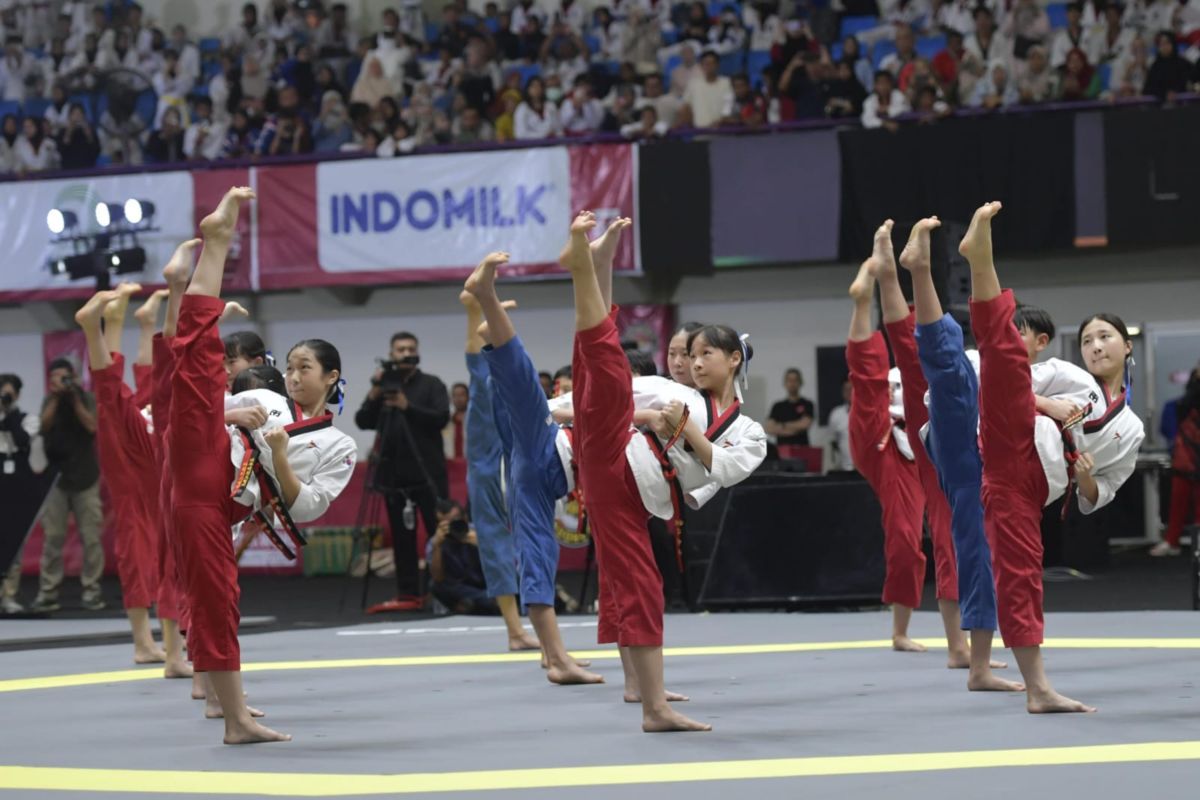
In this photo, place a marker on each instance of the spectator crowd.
(96, 82)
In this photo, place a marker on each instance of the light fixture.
(132, 259)
(58, 220)
(76, 267)
(109, 213)
(138, 210)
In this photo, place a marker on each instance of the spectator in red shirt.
(749, 107)
(945, 63)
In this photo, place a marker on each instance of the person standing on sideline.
(791, 417)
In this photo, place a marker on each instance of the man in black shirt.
(409, 409)
(68, 426)
(20, 489)
(791, 418)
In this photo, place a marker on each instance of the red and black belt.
(661, 454)
(252, 469)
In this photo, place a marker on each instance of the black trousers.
(404, 540)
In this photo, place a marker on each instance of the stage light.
(58, 220)
(138, 210)
(58, 267)
(76, 267)
(122, 262)
(109, 213)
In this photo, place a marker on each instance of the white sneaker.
(9, 605)
(1164, 549)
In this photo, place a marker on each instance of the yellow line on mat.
(122, 676)
(326, 785)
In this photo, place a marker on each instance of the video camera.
(395, 371)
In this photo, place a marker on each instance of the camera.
(68, 381)
(395, 371)
(6, 400)
(458, 530)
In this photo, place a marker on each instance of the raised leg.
(218, 229)
(604, 249)
(576, 257)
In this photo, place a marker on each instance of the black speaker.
(790, 541)
(675, 201)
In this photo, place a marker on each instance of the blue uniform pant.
(953, 446)
(538, 479)
(497, 548)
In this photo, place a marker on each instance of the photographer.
(408, 409)
(17, 430)
(455, 566)
(68, 425)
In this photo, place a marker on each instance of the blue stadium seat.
(493, 25)
(1058, 15)
(431, 31)
(529, 72)
(756, 62)
(882, 49)
(103, 160)
(732, 63)
(36, 107)
(611, 67)
(352, 70)
(210, 70)
(593, 43)
(669, 67)
(1105, 73)
(930, 46)
(669, 38)
(717, 7)
(852, 26)
(200, 90)
(9, 107)
(835, 51)
(209, 46)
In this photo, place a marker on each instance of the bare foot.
(233, 309)
(915, 254)
(178, 270)
(883, 260)
(149, 656)
(903, 644)
(114, 312)
(217, 713)
(482, 282)
(222, 222)
(1052, 702)
(672, 697)
(251, 732)
(93, 309)
(523, 642)
(179, 669)
(963, 661)
(978, 241)
(577, 254)
(147, 315)
(988, 682)
(572, 674)
(662, 720)
(864, 284)
(198, 692)
(604, 247)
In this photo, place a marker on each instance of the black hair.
(260, 376)
(446, 505)
(460, 385)
(565, 372)
(1111, 319)
(724, 338)
(8, 379)
(330, 359)
(546, 376)
(641, 363)
(1034, 319)
(61, 363)
(708, 53)
(794, 371)
(402, 335)
(689, 328)
(883, 73)
(245, 344)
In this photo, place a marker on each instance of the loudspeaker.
(789, 541)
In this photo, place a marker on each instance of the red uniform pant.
(172, 599)
(1185, 506)
(126, 454)
(893, 477)
(1014, 483)
(631, 592)
(202, 473)
(937, 510)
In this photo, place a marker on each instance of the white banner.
(29, 245)
(439, 211)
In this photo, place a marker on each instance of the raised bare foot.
(604, 247)
(883, 260)
(672, 697)
(233, 309)
(571, 674)
(978, 241)
(864, 284)
(147, 315)
(153, 655)
(903, 644)
(178, 270)
(662, 719)
(482, 282)
(222, 222)
(915, 255)
(987, 682)
(93, 309)
(114, 312)
(1052, 702)
(576, 253)
(250, 732)
(216, 713)
(178, 669)
(523, 642)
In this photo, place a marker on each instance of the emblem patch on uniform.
(348, 461)
(312, 445)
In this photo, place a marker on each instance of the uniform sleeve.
(1057, 378)
(331, 477)
(1111, 478)
(697, 498)
(731, 465)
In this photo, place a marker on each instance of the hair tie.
(341, 385)
(742, 341)
(269, 359)
(1128, 379)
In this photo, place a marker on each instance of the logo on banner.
(484, 206)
